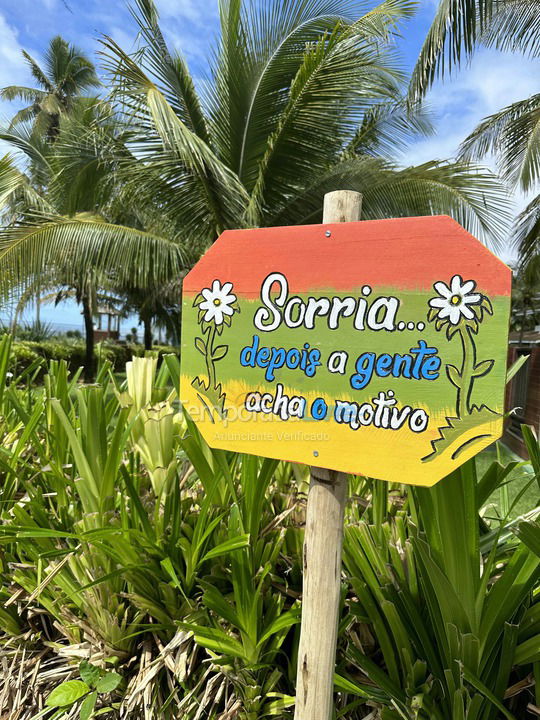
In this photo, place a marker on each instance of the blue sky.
(489, 82)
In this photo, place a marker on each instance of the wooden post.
(322, 552)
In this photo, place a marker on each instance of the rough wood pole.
(322, 553)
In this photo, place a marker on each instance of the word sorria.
(295, 312)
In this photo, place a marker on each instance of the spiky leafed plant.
(65, 75)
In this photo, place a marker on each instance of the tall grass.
(128, 545)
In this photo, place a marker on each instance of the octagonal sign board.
(376, 348)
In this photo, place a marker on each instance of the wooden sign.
(376, 347)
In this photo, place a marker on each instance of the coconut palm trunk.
(89, 364)
(147, 323)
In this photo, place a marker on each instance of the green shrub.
(23, 355)
(73, 351)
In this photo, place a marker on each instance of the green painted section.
(491, 343)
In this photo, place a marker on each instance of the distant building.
(110, 313)
(523, 392)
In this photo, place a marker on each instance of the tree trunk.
(147, 322)
(89, 335)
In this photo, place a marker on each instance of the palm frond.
(33, 147)
(23, 116)
(262, 47)
(261, 53)
(17, 192)
(38, 73)
(68, 68)
(473, 197)
(527, 235)
(10, 180)
(170, 70)
(341, 77)
(82, 245)
(384, 20)
(84, 163)
(388, 128)
(513, 134)
(514, 27)
(225, 195)
(20, 92)
(454, 32)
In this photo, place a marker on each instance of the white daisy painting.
(454, 300)
(216, 304)
(459, 308)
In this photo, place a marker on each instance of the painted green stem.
(208, 357)
(467, 372)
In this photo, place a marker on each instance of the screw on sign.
(375, 348)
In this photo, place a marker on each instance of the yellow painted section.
(369, 451)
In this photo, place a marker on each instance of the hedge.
(24, 352)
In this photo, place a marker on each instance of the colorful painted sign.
(376, 347)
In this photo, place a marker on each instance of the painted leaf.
(482, 368)
(220, 352)
(67, 693)
(453, 375)
(199, 344)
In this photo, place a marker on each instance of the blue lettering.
(272, 358)
(364, 371)
(247, 356)
(319, 409)
(422, 364)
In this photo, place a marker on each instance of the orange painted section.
(403, 253)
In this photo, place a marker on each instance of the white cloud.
(12, 66)
(491, 81)
(189, 25)
(197, 11)
(13, 71)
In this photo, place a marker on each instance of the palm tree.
(65, 76)
(302, 98)
(512, 135)
(81, 195)
(460, 26)
(160, 305)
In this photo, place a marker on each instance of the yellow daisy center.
(456, 299)
(217, 301)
